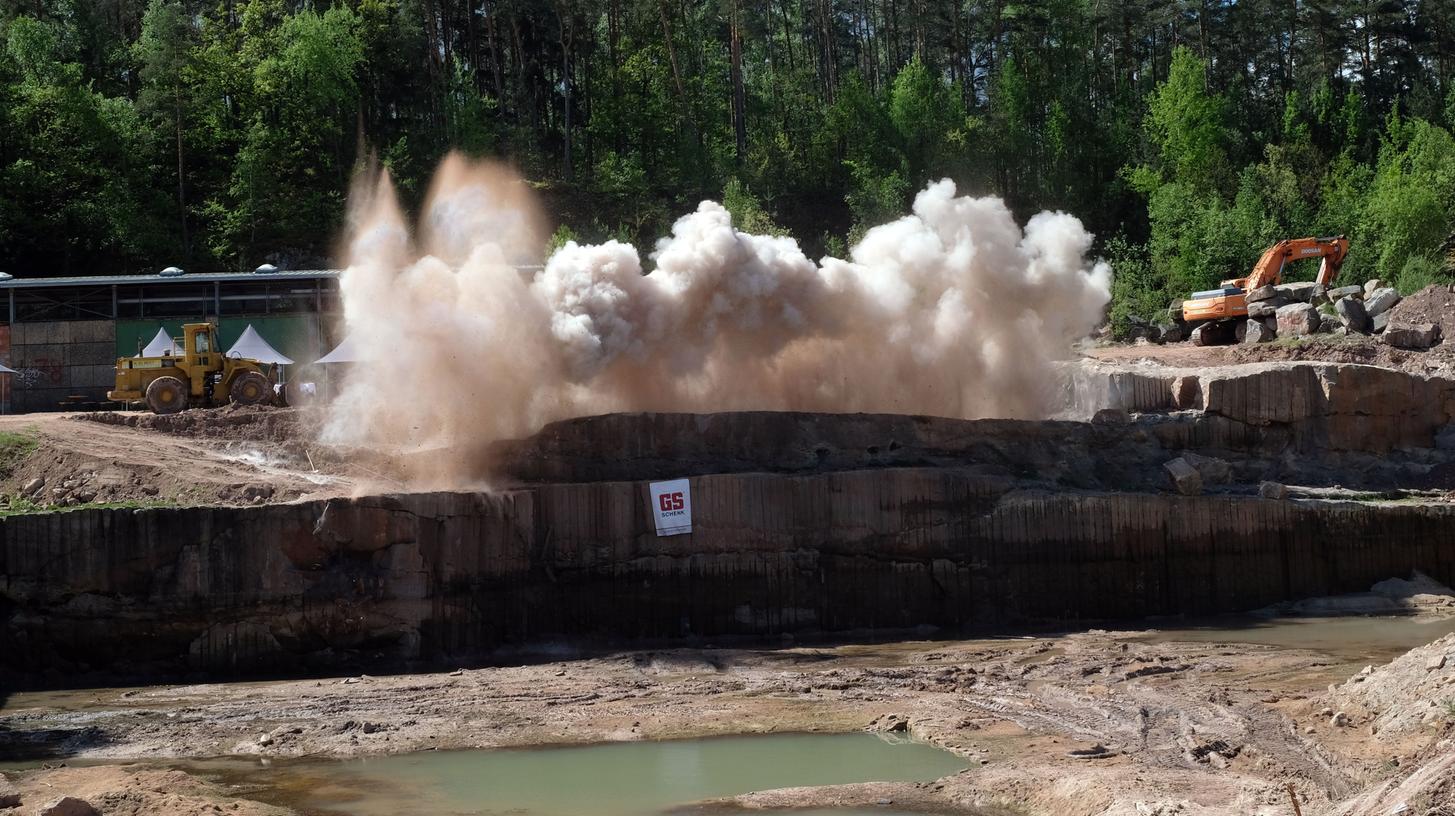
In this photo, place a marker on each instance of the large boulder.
(1352, 314)
(1263, 308)
(1381, 300)
(1412, 337)
(1185, 478)
(1260, 294)
(1380, 322)
(1347, 291)
(1297, 320)
(1272, 490)
(1372, 286)
(1258, 331)
(1212, 469)
(1300, 292)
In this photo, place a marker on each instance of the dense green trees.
(218, 134)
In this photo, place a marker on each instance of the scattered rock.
(265, 740)
(1297, 320)
(1413, 337)
(1184, 476)
(9, 794)
(1186, 392)
(33, 486)
(1371, 286)
(1435, 663)
(1356, 291)
(890, 722)
(1339, 720)
(1257, 331)
(1111, 416)
(1329, 324)
(1381, 321)
(1273, 490)
(1212, 469)
(1381, 300)
(1352, 314)
(68, 806)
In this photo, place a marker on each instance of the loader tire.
(250, 388)
(166, 395)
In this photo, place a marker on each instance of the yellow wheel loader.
(201, 376)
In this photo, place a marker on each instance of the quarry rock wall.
(449, 577)
(1263, 407)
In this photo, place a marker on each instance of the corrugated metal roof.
(203, 277)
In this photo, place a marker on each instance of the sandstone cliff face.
(1312, 406)
(447, 577)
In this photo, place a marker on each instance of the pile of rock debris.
(1307, 308)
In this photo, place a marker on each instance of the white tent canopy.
(251, 345)
(342, 353)
(161, 345)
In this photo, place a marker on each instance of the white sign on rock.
(672, 507)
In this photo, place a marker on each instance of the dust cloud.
(954, 310)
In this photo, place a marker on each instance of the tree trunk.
(566, 39)
(735, 45)
(181, 178)
(686, 111)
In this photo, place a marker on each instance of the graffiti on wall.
(40, 373)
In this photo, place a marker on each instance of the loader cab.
(200, 355)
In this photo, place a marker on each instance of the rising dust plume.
(951, 311)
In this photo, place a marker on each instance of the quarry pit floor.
(1215, 719)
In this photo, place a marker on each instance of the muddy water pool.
(617, 779)
(1350, 638)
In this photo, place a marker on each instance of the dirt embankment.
(231, 456)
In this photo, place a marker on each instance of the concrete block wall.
(56, 361)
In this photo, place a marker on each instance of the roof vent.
(171, 272)
(265, 269)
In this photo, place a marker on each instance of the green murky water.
(618, 779)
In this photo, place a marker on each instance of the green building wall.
(302, 337)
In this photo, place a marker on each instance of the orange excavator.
(1228, 301)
